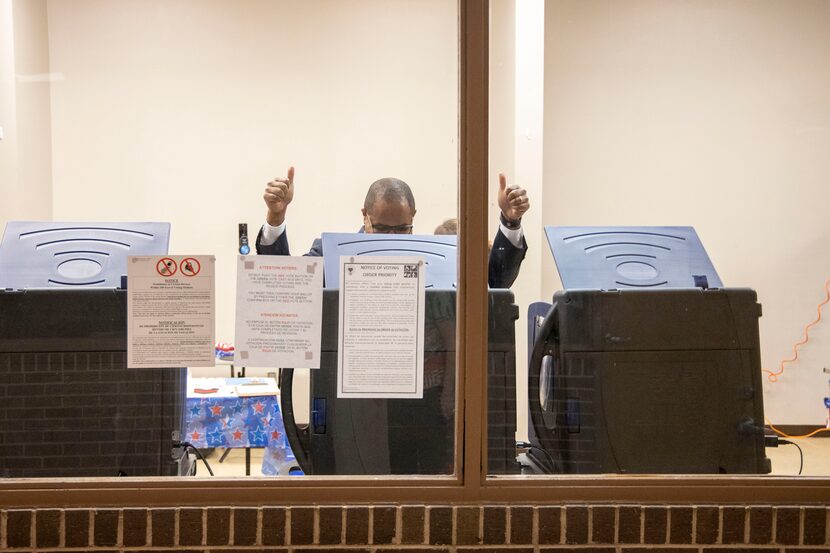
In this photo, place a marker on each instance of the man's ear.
(363, 211)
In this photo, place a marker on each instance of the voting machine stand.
(71, 406)
(405, 436)
(645, 363)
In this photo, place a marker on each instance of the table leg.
(247, 461)
(225, 454)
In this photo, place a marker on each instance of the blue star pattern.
(257, 421)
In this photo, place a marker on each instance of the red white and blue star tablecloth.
(217, 416)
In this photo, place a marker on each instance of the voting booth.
(71, 406)
(404, 436)
(644, 363)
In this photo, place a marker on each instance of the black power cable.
(800, 452)
(188, 446)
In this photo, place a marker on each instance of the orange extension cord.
(773, 376)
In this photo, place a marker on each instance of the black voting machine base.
(640, 367)
(406, 436)
(71, 406)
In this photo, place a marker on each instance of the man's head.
(450, 226)
(389, 207)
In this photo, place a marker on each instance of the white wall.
(33, 106)
(182, 111)
(25, 151)
(8, 115)
(710, 114)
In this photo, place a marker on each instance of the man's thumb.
(291, 175)
(502, 181)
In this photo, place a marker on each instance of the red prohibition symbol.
(166, 267)
(190, 266)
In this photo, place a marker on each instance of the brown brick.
(734, 525)
(323, 550)
(244, 526)
(19, 528)
(630, 524)
(135, 527)
(357, 525)
(479, 549)
(550, 525)
(384, 524)
(707, 525)
(799, 550)
(815, 526)
(218, 527)
(302, 526)
(655, 524)
(787, 523)
(273, 526)
(743, 550)
(576, 525)
(76, 528)
(190, 527)
(521, 525)
(163, 527)
(760, 525)
(494, 528)
(440, 526)
(669, 549)
(467, 525)
(680, 527)
(603, 524)
(330, 524)
(580, 550)
(47, 528)
(106, 528)
(412, 525)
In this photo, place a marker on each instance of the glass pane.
(198, 114)
(673, 155)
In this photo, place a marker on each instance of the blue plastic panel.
(438, 251)
(37, 254)
(607, 258)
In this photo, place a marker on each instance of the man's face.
(388, 218)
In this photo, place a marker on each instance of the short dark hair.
(390, 190)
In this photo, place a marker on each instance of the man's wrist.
(512, 224)
(275, 219)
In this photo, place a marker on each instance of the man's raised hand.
(513, 200)
(278, 194)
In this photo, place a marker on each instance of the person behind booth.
(389, 208)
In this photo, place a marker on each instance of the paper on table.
(266, 387)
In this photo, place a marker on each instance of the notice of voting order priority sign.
(170, 311)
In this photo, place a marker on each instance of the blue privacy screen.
(607, 258)
(438, 251)
(73, 255)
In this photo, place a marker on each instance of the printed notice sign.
(170, 311)
(381, 332)
(279, 310)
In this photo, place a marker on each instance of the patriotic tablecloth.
(216, 416)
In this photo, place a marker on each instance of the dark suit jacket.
(503, 267)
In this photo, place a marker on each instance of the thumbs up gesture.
(513, 200)
(278, 194)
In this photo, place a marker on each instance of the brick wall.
(496, 528)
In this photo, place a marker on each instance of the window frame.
(470, 483)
